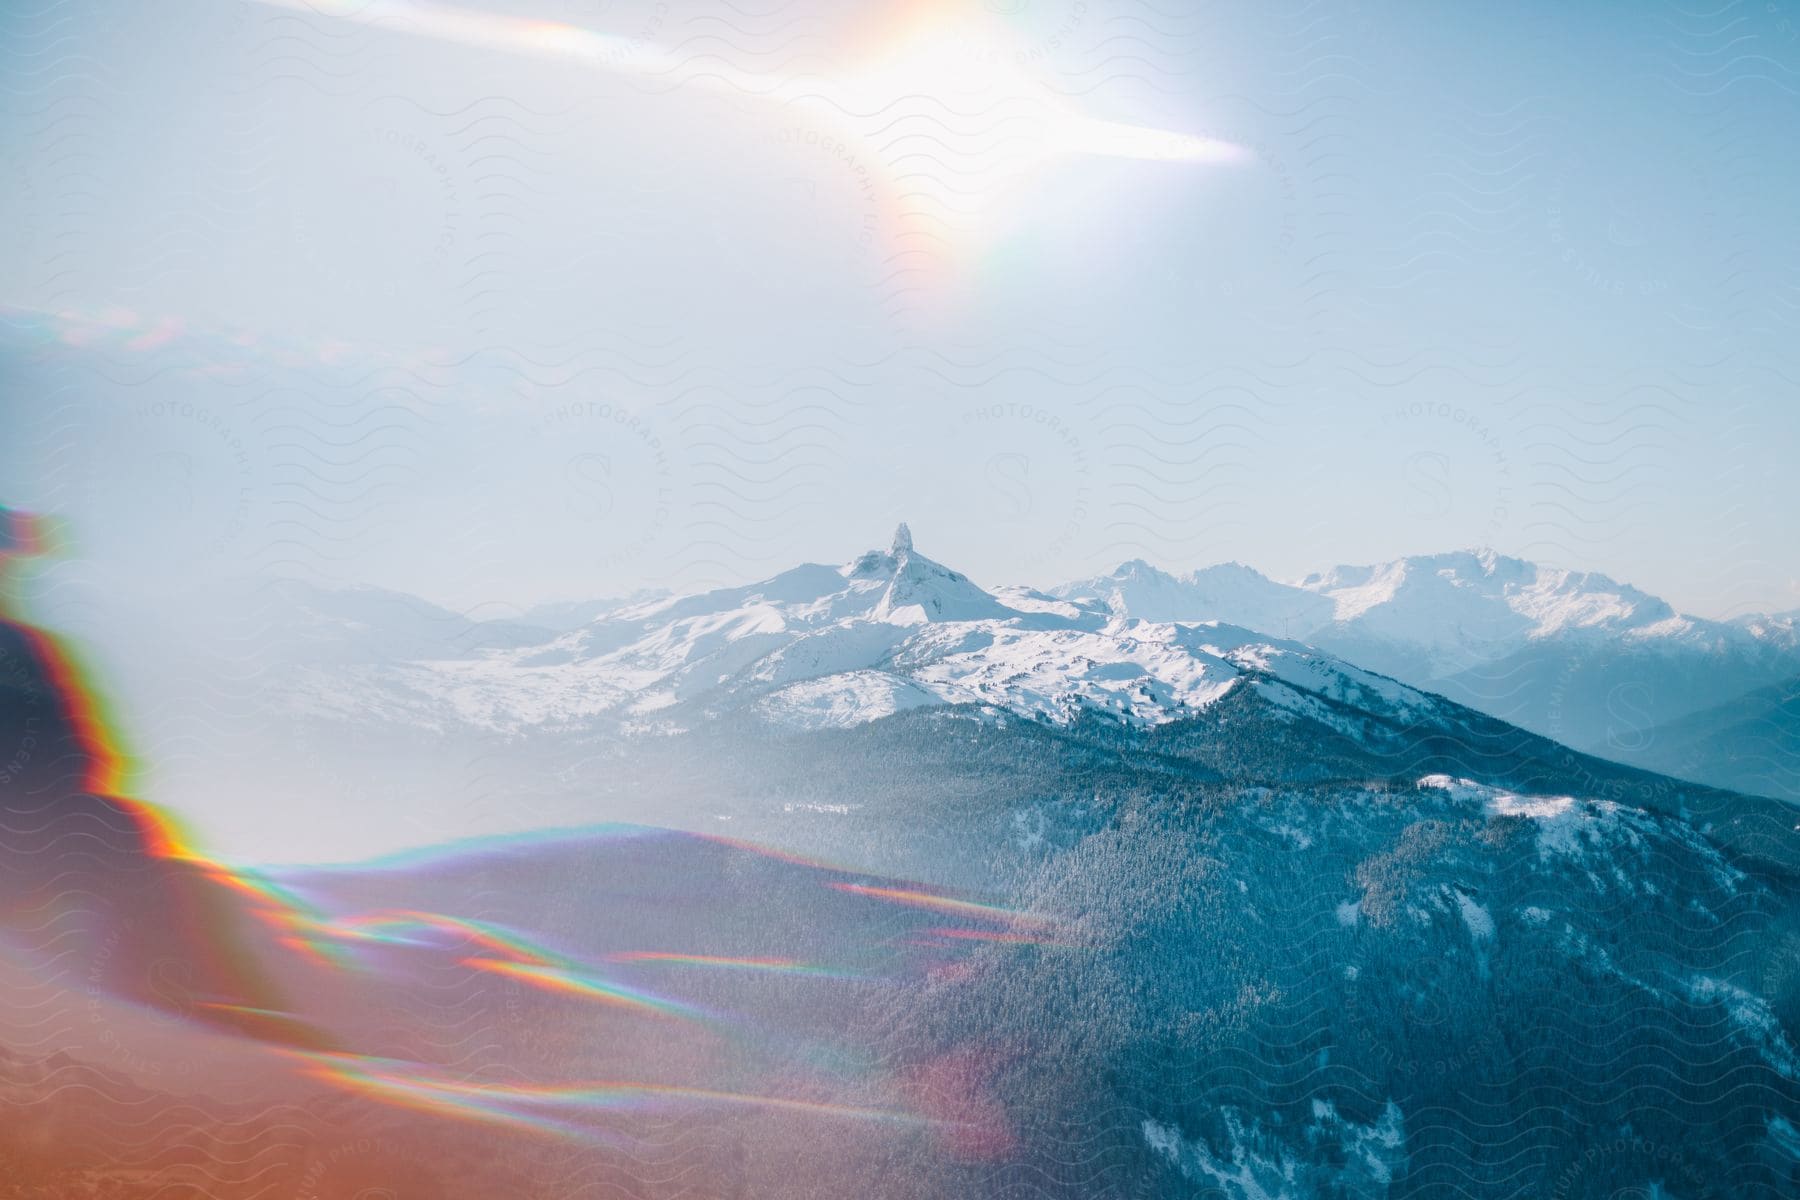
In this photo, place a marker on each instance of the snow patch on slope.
(841, 701)
(824, 647)
(1254, 1164)
(1447, 612)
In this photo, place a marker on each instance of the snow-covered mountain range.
(1435, 616)
(1237, 949)
(1232, 909)
(830, 647)
(1448, 611)
(1575, 657)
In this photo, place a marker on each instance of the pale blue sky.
(499, 314)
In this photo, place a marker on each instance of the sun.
(959, 121)
(965, 128)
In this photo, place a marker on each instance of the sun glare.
(945, 103)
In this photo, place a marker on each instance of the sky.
(508, 303)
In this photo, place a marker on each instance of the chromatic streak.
(108, 770)
(578, 983)
(918, 67)
(1009, 936)
(204, 899)
(967, 908)
(779, 855)
(929, 61)
(507, 34)
(553, 1108)
(464, 849)
(218, 352)
(396, 929)
(297, 924)
(786, 966)
(508, 953)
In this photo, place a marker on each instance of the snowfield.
(1454, 610)
(820, 647)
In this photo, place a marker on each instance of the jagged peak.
(902, 540)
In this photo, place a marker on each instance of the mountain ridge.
(822, 647)
(1572, 656)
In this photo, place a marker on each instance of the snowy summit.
(819, 646)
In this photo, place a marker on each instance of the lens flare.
(954, 122)
(507, 952)
(87, 844)
(914, 898)
(558, 1108)
(576, 983)
(1002, 936)
(228, 354)
(780, 966)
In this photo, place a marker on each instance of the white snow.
(1783, 1137)
(1498, 801)
(1753, 1018)
(894, 630)
(1453, 611)
(840, 701)
(1539, 808)
(1565, 826)
(1257, 1164)
(1479, 921)
(819, 647)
